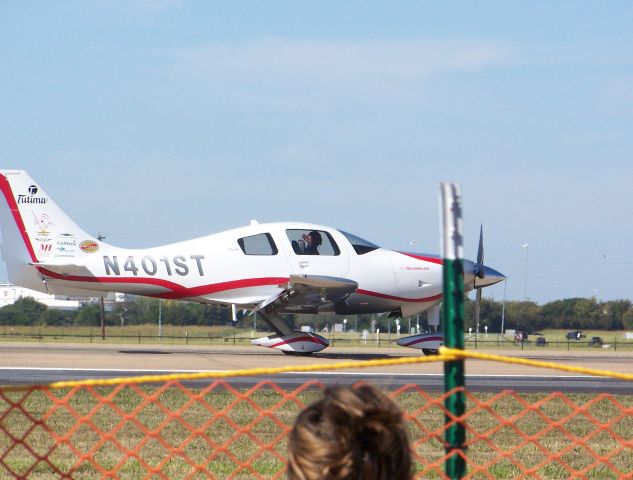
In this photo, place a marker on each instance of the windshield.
(360, 246)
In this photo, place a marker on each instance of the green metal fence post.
(453, 309)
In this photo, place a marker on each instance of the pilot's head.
(316, 238)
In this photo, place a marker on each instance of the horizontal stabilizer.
(62, 269)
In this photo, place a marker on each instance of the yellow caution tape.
(445, 351)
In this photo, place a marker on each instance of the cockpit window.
(312, 242)
(360, 246)
(261, 244)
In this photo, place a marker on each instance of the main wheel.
(430, 351)
(299, 354)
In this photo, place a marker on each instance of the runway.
(30, 364)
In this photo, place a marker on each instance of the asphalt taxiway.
(31, 363)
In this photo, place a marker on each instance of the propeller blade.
(479, 266)
(480, 251)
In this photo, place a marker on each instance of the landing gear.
(297, 354)
(297, 343)
(430, 351)
(429, 343)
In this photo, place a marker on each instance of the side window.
(312, 242)
(261, 244)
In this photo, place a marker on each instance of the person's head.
(315, 238)
(351, 433)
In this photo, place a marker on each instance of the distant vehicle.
(541, 342)
(575, 335)
(596, 342)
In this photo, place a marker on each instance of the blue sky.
(158, 121)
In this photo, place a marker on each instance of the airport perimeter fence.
(485, 341)
(213, 425)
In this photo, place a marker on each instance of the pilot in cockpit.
(310, 243)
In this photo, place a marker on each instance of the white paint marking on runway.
(386, 374)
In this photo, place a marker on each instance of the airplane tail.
(35, 230)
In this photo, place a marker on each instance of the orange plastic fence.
(178, 430)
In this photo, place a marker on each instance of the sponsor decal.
(67, 235)
(42, 222)
(32, 197)
(64, 252)
(89, 246)
(46, 249)
(66, 243)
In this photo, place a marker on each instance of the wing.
(304, 294)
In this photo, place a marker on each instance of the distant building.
(9, 294)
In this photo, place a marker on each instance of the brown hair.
(351, 433)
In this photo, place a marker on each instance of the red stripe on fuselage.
(435, 260)
(177, 290)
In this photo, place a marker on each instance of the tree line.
(569, 313)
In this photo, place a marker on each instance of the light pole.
(527, 247)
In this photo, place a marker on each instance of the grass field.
(222, 430)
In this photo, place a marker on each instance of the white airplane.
(271, 269)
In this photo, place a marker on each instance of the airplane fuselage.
(217, 269)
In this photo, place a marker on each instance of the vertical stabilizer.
(34, 230)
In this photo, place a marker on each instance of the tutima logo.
(31, 197)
